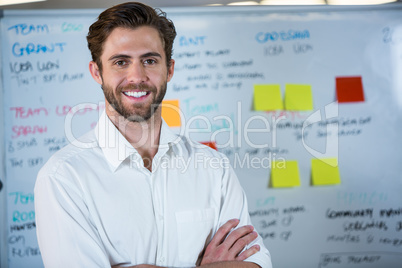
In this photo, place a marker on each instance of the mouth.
(136, 94)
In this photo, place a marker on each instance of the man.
(117, 197)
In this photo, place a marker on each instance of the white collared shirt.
(97, 205)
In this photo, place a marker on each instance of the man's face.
(134, 72)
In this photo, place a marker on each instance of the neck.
(143, 136)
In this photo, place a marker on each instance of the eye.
(149, 62)
(120, 63)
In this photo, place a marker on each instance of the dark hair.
(129, 15)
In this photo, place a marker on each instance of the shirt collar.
(117, 149)
(169, 139)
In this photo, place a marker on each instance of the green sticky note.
(285, 174)
(325, 171)
(267, 98)
(298, 97)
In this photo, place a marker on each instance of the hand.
(224, 247)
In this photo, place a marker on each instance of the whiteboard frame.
(3, 196)
(169, 11)
(210, 9)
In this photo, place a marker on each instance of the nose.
(136, 74)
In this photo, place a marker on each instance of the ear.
(94, 70)
(170, 70)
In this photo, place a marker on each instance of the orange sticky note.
(349, 89)
(211, 144)
(298, 97)
(325, 171)
(267, 98)
(171, 112)
(285, 174)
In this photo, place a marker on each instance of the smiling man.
(116, 197)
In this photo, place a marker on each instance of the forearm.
(223, 264)
(231, 264)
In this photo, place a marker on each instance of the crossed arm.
(225, 248)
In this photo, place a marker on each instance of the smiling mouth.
(136, 94)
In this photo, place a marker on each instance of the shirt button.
(162, 259)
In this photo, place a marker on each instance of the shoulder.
(198, 149)
(71, 155)
(205, 159)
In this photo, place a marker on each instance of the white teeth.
(135, 94)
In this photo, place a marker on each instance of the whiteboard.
(221, 53)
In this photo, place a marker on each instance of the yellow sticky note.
(171, 112)
(325, 171)
(298, 97)
(267, 98)
(285, 174)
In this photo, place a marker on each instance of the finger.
(242, 243)
(248, 252)
(223, 231)
(237, 234)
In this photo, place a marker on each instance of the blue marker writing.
(264, 37)
(19, 50)
(192, 41)
(25, 29)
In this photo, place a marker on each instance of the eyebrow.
(124, 56)
(151, 54)
(118, 56)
